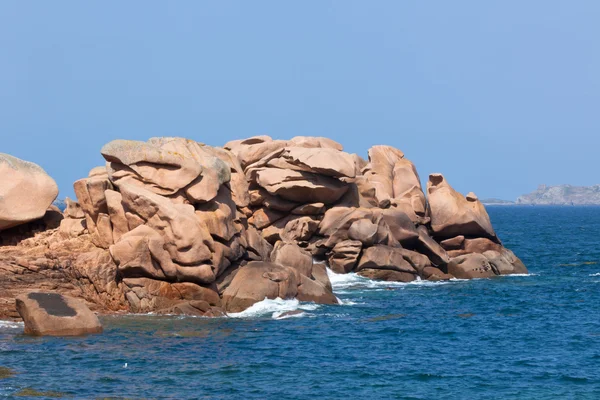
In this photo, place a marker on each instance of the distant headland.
(562, 195)
(559, 195)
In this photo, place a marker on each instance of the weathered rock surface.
(52, 314)
(174, 226)
(26, 191)
(453, 214)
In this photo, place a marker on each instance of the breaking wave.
(11, 325)
(343, 282)
(275, 309)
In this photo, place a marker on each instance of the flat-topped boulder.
(53, 314)
(26, 191)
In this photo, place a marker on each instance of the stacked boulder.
(205, 230)
(26, 196)
(463, 227)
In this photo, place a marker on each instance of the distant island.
(562, 195)
(497, 202)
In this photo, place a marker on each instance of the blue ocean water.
(520, 337)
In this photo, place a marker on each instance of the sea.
(534, 336)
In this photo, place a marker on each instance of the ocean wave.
(275, 308)
(517, 275)
(596, 274)
(342, 282)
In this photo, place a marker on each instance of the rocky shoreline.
(175, 226)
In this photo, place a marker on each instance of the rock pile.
(195, 229)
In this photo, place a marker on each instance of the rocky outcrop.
(26, 191)
(174, 226)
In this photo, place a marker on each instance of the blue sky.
(500, 96)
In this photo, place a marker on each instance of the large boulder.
(26, 191)
(166, 165)
(344, 256)
(148, 295)
(300, 186)
(165, 171)
(53, 314)
(291, 255)
(394, 181)
(453, 214)
(385, 257)
(432, 249)
(323, 161)
(258, 281)
(313, 290)
(315, 141)
(471, 266)
(253, 149)
(187, 239)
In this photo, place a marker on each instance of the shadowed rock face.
(172, 225)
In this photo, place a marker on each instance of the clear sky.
(500, 96)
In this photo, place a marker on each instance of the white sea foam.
(275, 308)
(517, 275)
(596, 274)
(347, 302)
(343, 282)
(11, 324)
